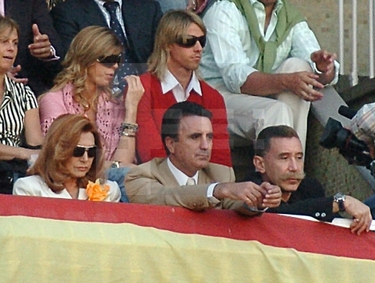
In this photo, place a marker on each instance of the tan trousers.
(249, 114)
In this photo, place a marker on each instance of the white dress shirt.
(171, 83)
(182, 179)
(231, 52)
(2, 9)
(107, 16)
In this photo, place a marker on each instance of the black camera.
(355, 151)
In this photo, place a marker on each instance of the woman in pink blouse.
(84, 87)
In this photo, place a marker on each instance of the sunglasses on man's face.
(110, 60)
(188, 41)
(80, 150)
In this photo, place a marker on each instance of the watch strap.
(340, 199)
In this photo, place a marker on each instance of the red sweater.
(151, 109)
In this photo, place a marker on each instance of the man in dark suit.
(186, 177)
(139, 22)
(36, 63)
(279, 160)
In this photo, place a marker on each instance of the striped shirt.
(362, 124)
(18, 99)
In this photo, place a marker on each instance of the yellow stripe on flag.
(45, 250)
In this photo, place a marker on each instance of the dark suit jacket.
(141, 18)
(309, 199)
(153, 183)
(25, 13)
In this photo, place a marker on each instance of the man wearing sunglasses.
(172, 78)
(267, 76)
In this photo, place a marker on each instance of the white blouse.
(35, 186)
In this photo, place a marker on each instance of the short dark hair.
(172, 117)
(263, 142)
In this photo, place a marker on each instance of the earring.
(194, 5)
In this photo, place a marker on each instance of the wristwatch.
(340, 199)
(115, 164)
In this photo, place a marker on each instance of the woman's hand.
(134, 92)
(27, 154)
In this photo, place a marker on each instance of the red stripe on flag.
(269, 229)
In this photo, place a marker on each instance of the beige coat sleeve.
(153, 183)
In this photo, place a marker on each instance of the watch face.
(340, 199)
(339, 196)
(115, 164)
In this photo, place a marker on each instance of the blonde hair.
(88, 45)
(173, 25)
(61, 139)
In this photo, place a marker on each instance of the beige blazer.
(154, 183)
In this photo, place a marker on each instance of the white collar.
(171, 83)
(180, 176)
(101, 3)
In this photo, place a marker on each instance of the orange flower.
(96, 191)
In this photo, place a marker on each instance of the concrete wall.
(323, 18)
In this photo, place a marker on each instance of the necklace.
(85, 104)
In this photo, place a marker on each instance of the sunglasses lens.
(110, 60)
(191, 41)
(202, 40)
(79, 151)
(91, 152)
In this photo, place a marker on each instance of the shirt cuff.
(53, 57)
(337, 67)
(315, 68)
(210, 194)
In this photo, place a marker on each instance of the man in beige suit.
(186, 178)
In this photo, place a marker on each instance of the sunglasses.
(110, 60)
(188, 41)
(80, 150)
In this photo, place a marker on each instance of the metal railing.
(371, 51)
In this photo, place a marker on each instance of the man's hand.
(361, 215)
(12, 73)
(41, 48)
(302, 83)
(249, 192)
(273, 195)
(324, 62)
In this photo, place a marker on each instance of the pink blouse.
(110, 114)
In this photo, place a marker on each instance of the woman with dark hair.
(70, 164)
